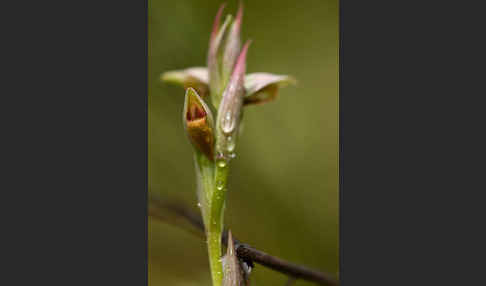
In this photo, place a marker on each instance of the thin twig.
(158, 208)
(290, 281)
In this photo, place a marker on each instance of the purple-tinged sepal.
(195, 77)
(232, 46)
(215, 51)
(263, 87)
(229, 112)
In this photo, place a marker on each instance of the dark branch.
(290, 281)
(247, 252)
(158, 209)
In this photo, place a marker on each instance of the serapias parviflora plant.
(222, 87)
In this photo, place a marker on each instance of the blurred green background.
(283, 189)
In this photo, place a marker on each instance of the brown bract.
(201, 135)
(233, 274)
(198, 123)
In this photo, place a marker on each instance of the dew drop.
(231, 146)
(221, 157)
(232, 155)
(221, 163)
(227, 123)
(199, 204)
(219, 185)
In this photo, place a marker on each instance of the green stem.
(215, 229)
(212, 194)
(205, 184)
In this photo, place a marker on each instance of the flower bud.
(198, 123)
(229, 112)
(263, 87)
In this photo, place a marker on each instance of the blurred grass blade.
(172, 212)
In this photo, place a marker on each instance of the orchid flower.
(225, 88)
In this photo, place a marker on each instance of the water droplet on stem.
(221, 163)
